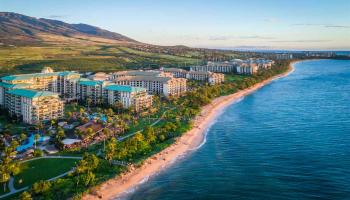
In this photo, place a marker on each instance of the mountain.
(17, 29)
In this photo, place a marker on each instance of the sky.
(238, 24)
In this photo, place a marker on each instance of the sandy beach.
(189, 141)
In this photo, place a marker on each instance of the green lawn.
(233, 77)
(42, 169)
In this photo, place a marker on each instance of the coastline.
(189, 141)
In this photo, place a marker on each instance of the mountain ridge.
(18, 29)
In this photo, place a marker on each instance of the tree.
(52, 122)
(41, 187)
(69, 115)
(106, 133)
(38, 153)
(88, 178)
(26, 196)
(22, 137)
(81, 111)
(36, 138)
(149, 134)
(78, 133)
(60, 133)
(90, 132)
(8, 166)
(39, 126)
(110, 150)
(88, 164)
(138, 144)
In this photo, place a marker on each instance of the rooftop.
(174, 70)
(30, 76)
(12, 86)
(31, 93)
(138, 73)
(88, 82)
(144, 78)
(124, 88)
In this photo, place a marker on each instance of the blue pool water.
(289, 140)
(30, 142)
(96, 116)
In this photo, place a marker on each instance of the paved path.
(45, 157)
(12, 188)
(153, 124)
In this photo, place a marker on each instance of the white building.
(63, 83)
(128, 96)
(167, 86)
(34, 106)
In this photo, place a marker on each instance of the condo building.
(176, 72)
(207, 76)
(223, 67)
(63, 83)
(34, 106)
(133, 73)
(247, 68)
(167, 86)
(135, 97)
(100, 76)
(90, 90)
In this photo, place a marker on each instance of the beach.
(189, 141)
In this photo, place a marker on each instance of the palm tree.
(39, 126)
(110, 152)
(23, 137)
(9, 167)
(36, 138)
(106, 133)
(52, 122)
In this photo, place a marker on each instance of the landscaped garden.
(42, 169)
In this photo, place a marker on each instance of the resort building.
(249, 66)
(246, 68)
(252, 66)
(167, 86)
(90, 90)
(135, 97)
(63, 83)
(133, 73)
(5, 87)
(223, 67)
(100, 76)
(34, 106)
(176, 72)
(207, 76)
(284, 56)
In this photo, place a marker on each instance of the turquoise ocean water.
(289, 140)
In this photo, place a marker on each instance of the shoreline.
(189, 141)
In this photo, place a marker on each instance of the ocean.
(288, 140)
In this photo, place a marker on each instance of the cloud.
(300, 41)
(226, 38)
(220, 38)
(336, 26)
(256, 37)
(324, 25)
